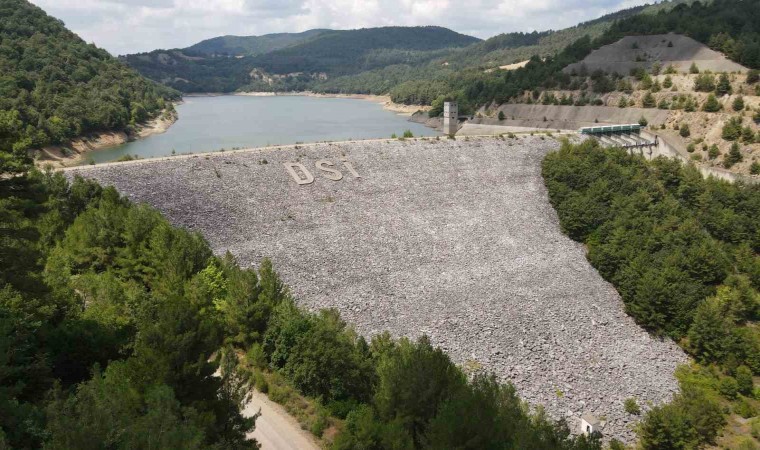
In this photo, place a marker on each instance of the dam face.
(454, 239)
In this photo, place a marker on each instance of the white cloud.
(129, 26)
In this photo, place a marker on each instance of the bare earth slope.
(450, 238)
(643, 51)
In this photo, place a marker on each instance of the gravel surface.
(455, 239)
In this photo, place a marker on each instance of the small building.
(590, 424)
(450, 118)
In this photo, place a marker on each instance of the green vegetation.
(109, 317)
(54, 86)
(298, 66)
(108, 321)
(734, 156)
(738, 104)
(632, 407)
(252, 45)
(398, 394)
(683, 253)
(711, 104)
(437, 66)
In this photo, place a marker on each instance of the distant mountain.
(324, 54)
(350, 51)
(251, 45)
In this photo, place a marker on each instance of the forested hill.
(54, 86)
(328, 54)
(730, 26)
(252, 45)
(350, 51)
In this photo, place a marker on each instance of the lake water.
(224, 122)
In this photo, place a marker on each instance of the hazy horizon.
(134, 26)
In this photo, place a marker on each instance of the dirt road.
(275, 428)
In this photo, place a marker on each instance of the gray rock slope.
(455, 239)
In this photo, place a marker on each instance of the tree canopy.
(54, 86)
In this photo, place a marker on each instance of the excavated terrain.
(455, 239)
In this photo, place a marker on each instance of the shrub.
(616, 445)
(745, 443)
(501, 115)
(320, 423)
(713, 152)
(260, 382)
(649, 101)
(755, 427)
(408, 134)
(126, 157)
(748, 135)
(643, 121)
(256, 356)
(280, 394)
(724, 85)
(711, 104)
(668, 82)
(734, 156)
(691, 147)
(744, 408)
(623, 102)
(738, 104)
(754, 169)
(693, 69)
(684, 130)
(631, 407)
(704, 83)
(732, 129)
(753, 76)
(728, 388)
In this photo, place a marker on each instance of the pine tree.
(734, 156)
(738, 103)
(724, 85)
(711, 104)
(649, 101)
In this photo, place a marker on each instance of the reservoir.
(226, 122)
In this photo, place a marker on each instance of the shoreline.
(75, 151)
(385, 100)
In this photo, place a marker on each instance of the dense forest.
(684, 253)
(54, 86)
(251, 45)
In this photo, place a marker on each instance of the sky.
(131, 26)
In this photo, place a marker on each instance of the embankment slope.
(450, 238)
(633, 52)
